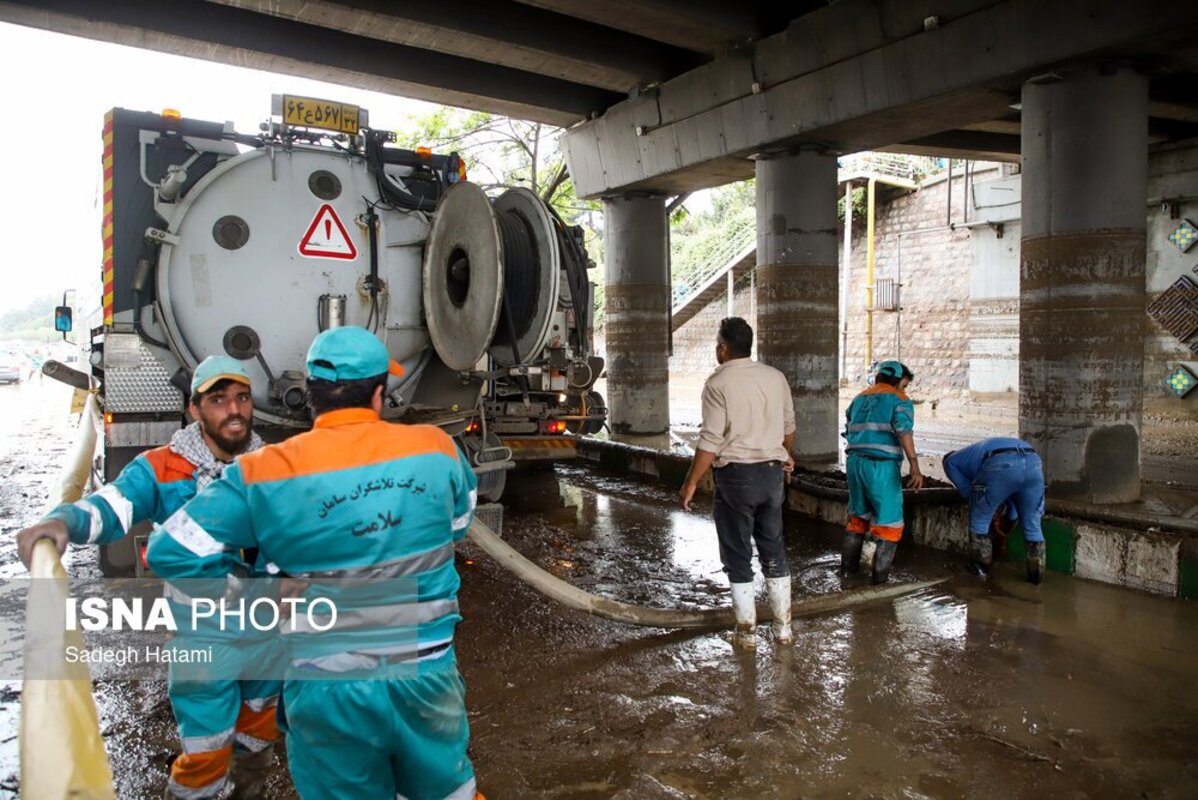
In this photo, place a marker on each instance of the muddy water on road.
(996, 690)
(999, 690)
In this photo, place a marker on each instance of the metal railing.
(893, 165)
(689, 281)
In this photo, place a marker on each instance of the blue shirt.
(963, 466)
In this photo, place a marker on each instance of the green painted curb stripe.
(1187, 585)
(1058, 539)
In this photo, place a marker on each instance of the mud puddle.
(980, 690)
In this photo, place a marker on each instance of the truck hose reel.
(492, 274)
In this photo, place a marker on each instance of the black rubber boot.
(850, 553)
(981, 553)
(249, 772)
(1035, 562)
(883, 558)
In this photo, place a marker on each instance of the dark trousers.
(748, 508)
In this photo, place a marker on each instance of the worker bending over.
(1001, 475)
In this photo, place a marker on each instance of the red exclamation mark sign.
(336, 242)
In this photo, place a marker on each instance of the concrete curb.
(1152, 561)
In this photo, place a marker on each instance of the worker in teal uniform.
(364, 512)
(226, 722)
(878, 429)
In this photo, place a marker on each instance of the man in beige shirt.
(748, 431)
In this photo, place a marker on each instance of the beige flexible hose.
(62, 752)
(557, 589)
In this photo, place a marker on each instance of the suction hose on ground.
(62, 750)
(712, 618)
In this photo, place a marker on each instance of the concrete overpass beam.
(798, 291)
(638, 315)
(857, 75)
(1082, 280)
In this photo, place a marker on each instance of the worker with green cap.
(226, 724)
(878, 431)
(363, 514)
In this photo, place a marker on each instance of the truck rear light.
(141, 553)
(555, 426)
(474, 427)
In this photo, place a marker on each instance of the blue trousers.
(1017, 478)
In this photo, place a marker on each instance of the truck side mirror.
(62, 320)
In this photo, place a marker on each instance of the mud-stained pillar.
(637, 326)
(1082, 267)
(797, 290)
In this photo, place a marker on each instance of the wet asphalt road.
(980, 690)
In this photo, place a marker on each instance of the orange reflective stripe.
(857, 525)
(884, 388)
(887, 532)
(169, 466)
(262, 724)
(195, 770)
(328, 449)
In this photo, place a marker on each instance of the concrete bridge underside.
(665, 98)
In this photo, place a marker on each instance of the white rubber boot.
(744, 607)
(778, 590)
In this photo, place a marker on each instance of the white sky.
(57, 89)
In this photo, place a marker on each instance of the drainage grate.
(1176, 310)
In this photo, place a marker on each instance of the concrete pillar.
(797, 290)
(1082, 276)
(637, 326)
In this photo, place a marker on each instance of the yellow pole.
(62, 752)
(869, 275)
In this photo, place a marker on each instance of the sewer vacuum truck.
(219, 242)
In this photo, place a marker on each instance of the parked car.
(12, 367)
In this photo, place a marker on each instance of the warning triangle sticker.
(327, 237)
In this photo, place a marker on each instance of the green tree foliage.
(499, 153)
(703, 242)
(859, 205)
(33, 322)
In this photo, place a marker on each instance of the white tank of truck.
(220, 242)
(301, 232)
